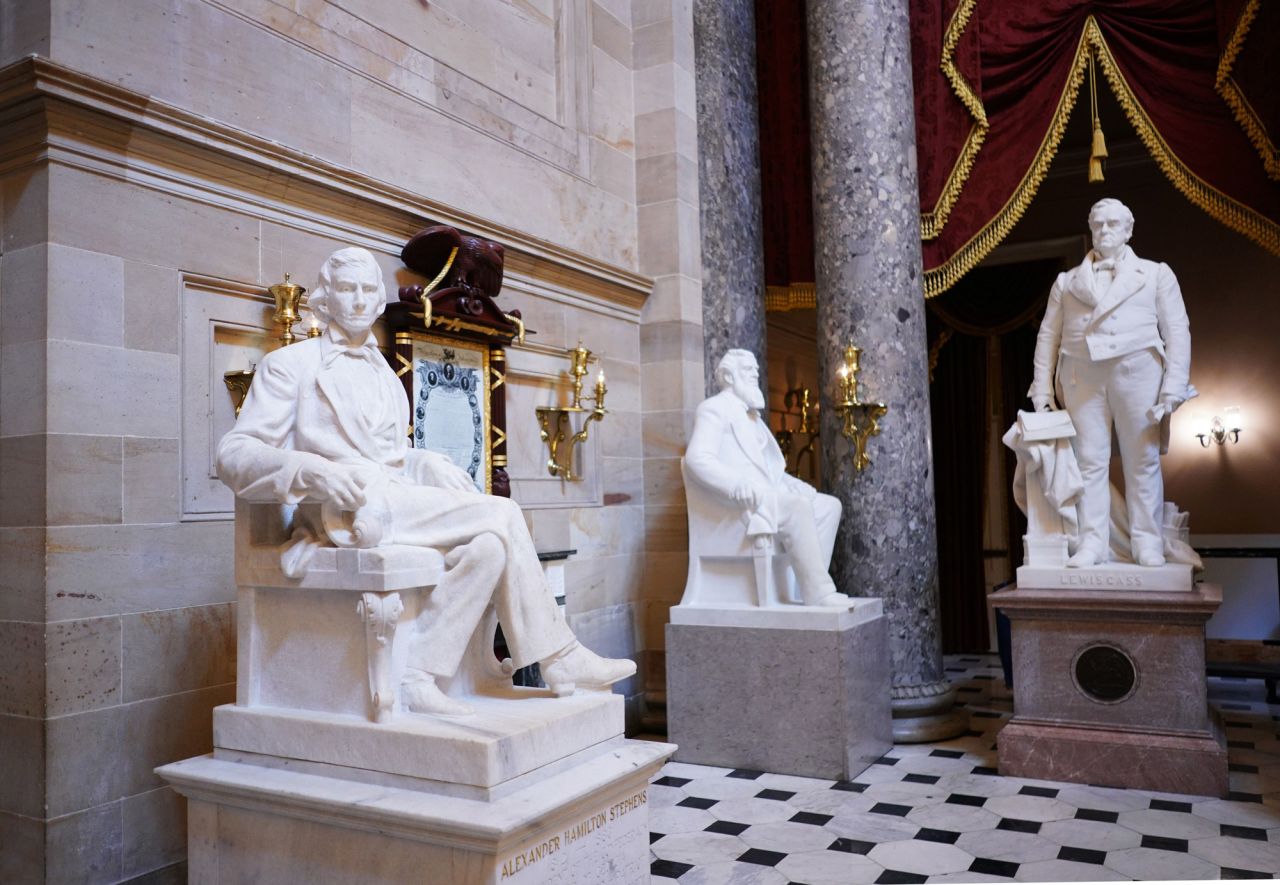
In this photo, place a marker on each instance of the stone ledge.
(506, 737)
(1194, 764)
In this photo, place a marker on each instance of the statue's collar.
(335, 342)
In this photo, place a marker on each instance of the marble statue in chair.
(742, 501)
(324, 426)
(1114, 351)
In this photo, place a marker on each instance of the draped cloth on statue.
(995, 81)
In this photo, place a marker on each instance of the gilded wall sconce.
(556, 425)
(288, 298)
(861, 421)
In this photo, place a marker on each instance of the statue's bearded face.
(746, 384)
(355, 298)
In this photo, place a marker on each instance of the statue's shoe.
(424, 696)
(1086, 556)
(579, 667)
(1149, 556)
(834, 599)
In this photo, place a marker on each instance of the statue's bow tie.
(1105, 264)
(367, 351)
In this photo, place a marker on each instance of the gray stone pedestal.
(808, 698)
(1109, 688)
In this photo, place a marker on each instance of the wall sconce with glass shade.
(1223, 429)
(555, 423)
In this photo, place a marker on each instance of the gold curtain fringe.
(932, 222)
(1216, 204)
(1235, 215)
(941, 278)
(1227, 87)
(797, 296)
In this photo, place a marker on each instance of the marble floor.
(941, 813)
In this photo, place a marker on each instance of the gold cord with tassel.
(1099, 151)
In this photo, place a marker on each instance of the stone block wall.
(162, 163)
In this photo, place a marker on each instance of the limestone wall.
(162, 164)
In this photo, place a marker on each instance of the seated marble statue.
(325, 425)
(733, 456)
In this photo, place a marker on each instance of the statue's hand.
(748, 496)
(1042, 403)
(451, 476)
(343, 484)
(1170, 402)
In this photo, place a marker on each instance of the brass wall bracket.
(558, 433)
(859, 421)
(555, 426)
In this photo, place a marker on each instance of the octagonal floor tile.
(1173, 824)
(721, 788)
(1090, 834)
(925, 858)
(676, 819)
(699, 848)
(1066, 871)
(1022, 807)
(829, 868)
(1102, 798)
(870, 827)
(1153, 863)
(751, 811)
(1011, 846)
(1242, 854)
(1243, 814)
(787, 837)
(732, 873)
(961, 818)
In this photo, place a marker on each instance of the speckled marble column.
(729, 181)
(869, 285)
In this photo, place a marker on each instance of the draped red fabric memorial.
(996, 81)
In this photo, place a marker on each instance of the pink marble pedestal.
(1109, 688)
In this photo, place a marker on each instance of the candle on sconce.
(314, 330)
(601, 390)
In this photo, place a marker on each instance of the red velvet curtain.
(782, 71)
(996, 80)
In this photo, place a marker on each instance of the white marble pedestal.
(320, 775)
(788, 689)
(249, 823)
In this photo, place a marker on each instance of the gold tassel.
(1095, 170)
(1099, 151)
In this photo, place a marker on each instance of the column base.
(806, 701)
(248, 823)
(927, 718)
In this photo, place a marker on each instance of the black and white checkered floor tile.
(941, 813)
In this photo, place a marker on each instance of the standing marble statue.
(733, 456)
(1115, 348)
(325, 426)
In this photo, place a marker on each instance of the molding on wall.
(52, 114)
(559, 133)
